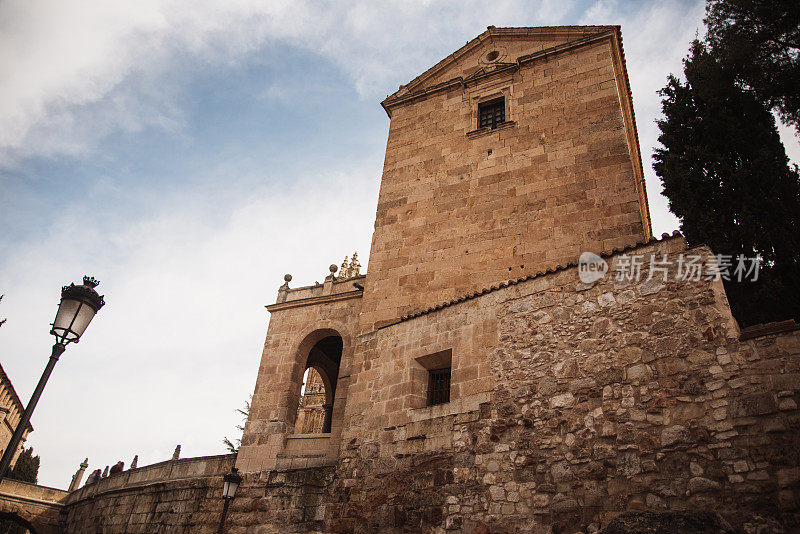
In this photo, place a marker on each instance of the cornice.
(606, 32)
(310, 301)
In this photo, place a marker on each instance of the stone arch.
(322, 350)
(14, 518)
(37, 518)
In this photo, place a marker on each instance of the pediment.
(496, 48)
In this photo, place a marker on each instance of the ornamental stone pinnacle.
(349, 269)
(355, 267)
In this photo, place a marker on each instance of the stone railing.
(32, 492)
(168, 471)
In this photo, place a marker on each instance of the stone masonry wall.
(601, 399)
(293, 331)
(605, 398)
(180, 496)
(459, 212)
(281, 501)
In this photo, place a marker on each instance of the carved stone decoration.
(355, 267)
(349, 269)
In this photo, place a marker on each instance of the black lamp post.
(78, 306)
(230, 484)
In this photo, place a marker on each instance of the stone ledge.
(469, 403)
(480, 132)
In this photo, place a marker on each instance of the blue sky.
(188, 154)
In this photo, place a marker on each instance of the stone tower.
(468, 200)
(513, 155)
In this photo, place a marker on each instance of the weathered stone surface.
(674, 435)
(702, 485)
(750, 405)
(668, 523)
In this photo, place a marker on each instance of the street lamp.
(78, 306)
(230, 483)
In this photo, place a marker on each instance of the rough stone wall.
(175, 496)
(606, 398)
(276, 502)
(459, 212)
(603, 398)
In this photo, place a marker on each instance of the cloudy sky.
(188, 155)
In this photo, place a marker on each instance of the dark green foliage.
(727, 177)
(27, 470)
(759, 42)
(27, 467)
(244, 412)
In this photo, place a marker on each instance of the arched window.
(315, 409)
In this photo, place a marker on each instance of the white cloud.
(77, 70)
(176, 348)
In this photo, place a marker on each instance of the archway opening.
(13, 524)
(315, 409)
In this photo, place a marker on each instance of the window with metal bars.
(438, 386)
(492, 113)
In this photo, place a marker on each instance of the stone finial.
(284, 289)
(105, 472)
(286, 279)
(177, 453)
(332, 276)
(350, 268)
(355, 267)
(76, 478)
(135, 461)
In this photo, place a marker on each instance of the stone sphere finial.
(287, 278)
(333, 268)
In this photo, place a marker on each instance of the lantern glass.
(65, 319)
(231, 484)
(78, 306)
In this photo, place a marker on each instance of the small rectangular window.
(438, 386)
(492, 113)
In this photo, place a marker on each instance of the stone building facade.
(473, 380)
(11, 408)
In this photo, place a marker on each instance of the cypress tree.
(759, 41)
(27, 467)
(727, 178)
